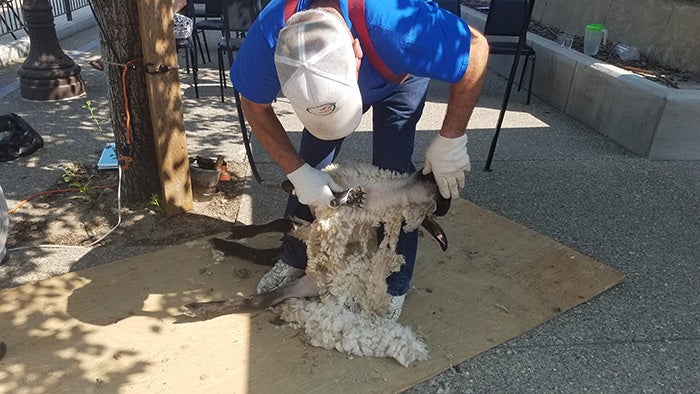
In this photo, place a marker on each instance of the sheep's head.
(442, 204)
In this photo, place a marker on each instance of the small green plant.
(155, 204)
(93, 116)
(79, 177)
(87, 191)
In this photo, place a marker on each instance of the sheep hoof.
(353, 197)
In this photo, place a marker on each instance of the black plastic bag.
(17, 138)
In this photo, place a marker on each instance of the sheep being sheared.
(348, 266)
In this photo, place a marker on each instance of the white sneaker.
(395, 307)
(280, 274)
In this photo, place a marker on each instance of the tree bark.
(121, 44)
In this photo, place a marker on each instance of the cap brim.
(338, 124)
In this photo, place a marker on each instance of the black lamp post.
(48, 73)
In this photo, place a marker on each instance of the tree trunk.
(121, 44)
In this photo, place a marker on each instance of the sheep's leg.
(251, 230)
(255, 255)
(262, 256)
(303, 287)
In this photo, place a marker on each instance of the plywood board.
(118, 327)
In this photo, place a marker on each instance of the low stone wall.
(664, 30)
(651, 120)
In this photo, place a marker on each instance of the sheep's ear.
(442, 204)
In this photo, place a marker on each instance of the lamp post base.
(62, 84)
(47, 74)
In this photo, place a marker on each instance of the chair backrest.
(263, 4)
(188, 9)
(506, 18)
(213, 8)
(238, 16)
(450, 5)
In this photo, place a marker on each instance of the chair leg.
(220, 57)
(223, 72)
(532, 76)
(522, 73)
(195, 69)
(502, 113)
(246, 137)
(198, 44)
(187, 60)
(206, 45)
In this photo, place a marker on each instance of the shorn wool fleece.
(351, 266)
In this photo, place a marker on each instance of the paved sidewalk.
(550, 174)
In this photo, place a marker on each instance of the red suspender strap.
(290, 7)
(356, 9)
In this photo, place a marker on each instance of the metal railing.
(12, 20)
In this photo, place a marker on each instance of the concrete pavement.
(550, 173)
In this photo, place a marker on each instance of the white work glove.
(447, 159)
(313, 187)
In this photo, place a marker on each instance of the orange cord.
(125, 160)
(73, 189)
(126, 99)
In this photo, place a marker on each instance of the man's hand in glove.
(447, 159)
(313, 187)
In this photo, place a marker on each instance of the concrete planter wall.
(664, 30)
(649, 119)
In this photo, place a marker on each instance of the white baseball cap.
(316, 67)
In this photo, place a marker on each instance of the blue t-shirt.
(410, 36)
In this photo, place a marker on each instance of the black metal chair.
(190, 48)
(199, 7)
(450, 5)
(193, 12)
(238, 16)
(190, 56)
(247, 140)
(509, 18)
(245, 131)
(213, 20)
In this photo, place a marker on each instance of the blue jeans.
(393, 133)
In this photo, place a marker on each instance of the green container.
(596, 36)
